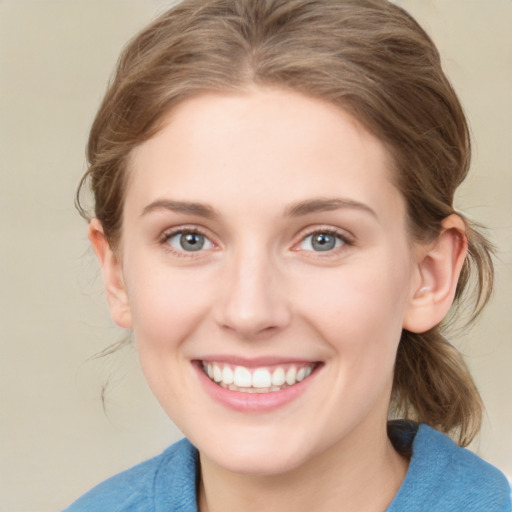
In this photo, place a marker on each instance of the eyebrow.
(191, 208)
(326, 205)
(294, 210)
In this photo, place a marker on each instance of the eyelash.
(346, 240)
(192, 230)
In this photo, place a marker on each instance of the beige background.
(55, 57)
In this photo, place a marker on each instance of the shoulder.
(141, 488)
(444, 476)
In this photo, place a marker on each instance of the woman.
(273, 186)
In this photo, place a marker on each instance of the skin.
(259, 163)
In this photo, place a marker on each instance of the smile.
(257, 380)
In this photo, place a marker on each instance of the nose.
(252, 303)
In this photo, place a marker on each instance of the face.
(266, 272)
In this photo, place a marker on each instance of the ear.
(438, 269)
(112, 275)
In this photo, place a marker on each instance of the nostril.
(250, 330)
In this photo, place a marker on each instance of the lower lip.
(253, 402)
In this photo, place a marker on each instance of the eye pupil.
(191, 241)
(323, 242)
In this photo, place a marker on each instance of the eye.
(322, 241)
(188, 241)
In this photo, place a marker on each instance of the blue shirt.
(442, 477)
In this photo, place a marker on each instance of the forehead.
(264, 147)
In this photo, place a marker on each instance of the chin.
(255, 454)
(256, 462)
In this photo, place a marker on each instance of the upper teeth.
(242, 378)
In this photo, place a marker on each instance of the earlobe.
(438, 269)
(112, 275)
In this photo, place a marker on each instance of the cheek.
(166, 305)
(356, 299)
(358, 311)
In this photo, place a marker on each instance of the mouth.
(263, 379)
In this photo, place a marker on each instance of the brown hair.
(370, 58)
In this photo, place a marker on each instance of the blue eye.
(321, 241)
(189, 241)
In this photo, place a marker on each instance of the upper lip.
(254, 362)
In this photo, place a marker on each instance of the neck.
(361, 473)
